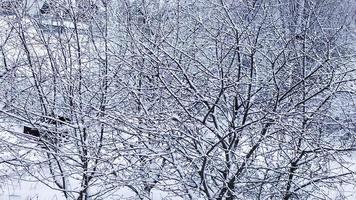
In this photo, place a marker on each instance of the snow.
(23, 190)
(193, 77)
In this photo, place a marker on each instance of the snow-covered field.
(23, 190)
(34, 190)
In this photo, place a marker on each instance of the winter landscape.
(177, 99)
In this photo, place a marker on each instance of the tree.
(215, 99)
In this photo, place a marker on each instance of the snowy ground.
(25, 190)
(350, 190)
(21, 190)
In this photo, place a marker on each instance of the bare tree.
(216, 99)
